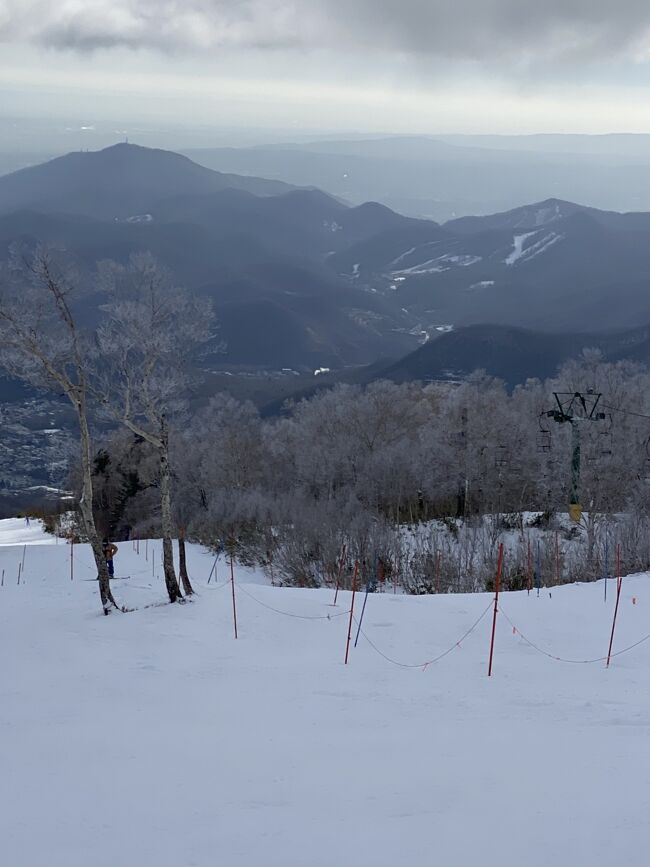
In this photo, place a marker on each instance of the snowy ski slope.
(156, 738)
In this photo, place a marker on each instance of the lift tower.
(576, 408)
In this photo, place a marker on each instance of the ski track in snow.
(518, 250)
(155, 738)
(520, 254)
(403, 256)
(439, 264)
(542, 245)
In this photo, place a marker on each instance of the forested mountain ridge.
(512, 354)
(301, 280)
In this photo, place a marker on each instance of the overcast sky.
(402, 65)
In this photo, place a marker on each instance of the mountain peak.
(117, 182)
(533, 216)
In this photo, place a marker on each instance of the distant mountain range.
(258, 248)
(438, 177)
(302, 280)
(553, 265)
(444, 177)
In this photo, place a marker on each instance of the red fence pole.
(234, 604)
(338, 577)
(497, 581)
(354, 590)
(619, 583)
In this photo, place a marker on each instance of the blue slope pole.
(363, 608)
(214, 566)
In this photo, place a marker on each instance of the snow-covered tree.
(42, 344)
(149, 340)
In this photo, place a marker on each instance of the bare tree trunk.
(171, 582)
(86, 509)
(182, 564)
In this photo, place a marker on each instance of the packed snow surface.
(23, 531)
(156, 738)
(541, 245)
(518, 248)
(438, 264)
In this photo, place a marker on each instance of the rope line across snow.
(435, 659)
(564, 659)
(289, 613)
(428, 662)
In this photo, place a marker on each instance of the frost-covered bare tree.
(421, 484)
(221, 460)
(149, 341)
(41, 343)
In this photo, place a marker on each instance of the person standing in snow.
(109, 550)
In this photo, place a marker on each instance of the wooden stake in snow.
(497, 581)
(354, 590)
(2, 583)
(234, 604)
(619, 583)
(71, 558)
(146, 550)
(19, 573)
(23, 563)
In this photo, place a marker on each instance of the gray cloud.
(159, 24)
(492, 30)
